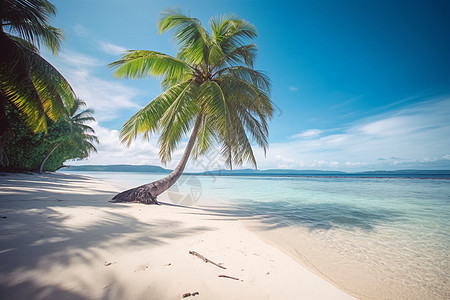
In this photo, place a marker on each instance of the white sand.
(61, 239)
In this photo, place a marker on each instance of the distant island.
(290, 172)
(253, 172)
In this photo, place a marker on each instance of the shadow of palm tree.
(57, 239)
(313, 216)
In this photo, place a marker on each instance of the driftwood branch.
(226, 276)
(205, 259)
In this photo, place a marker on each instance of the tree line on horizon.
(42, 122)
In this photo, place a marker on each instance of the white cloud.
(140, 152)
(346, 103)
(356, 148)
(112, 49)
(77, 60)
(333, 164)
(412, 137)
(80, 30)
(354, 164)
(393, 126)
(308, 133)
(111, 151)
(288, 163)
(293, 88)
(107, 97)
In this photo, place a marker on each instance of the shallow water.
(377, 238)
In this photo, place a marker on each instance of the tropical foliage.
(66, 139)
(211, 81)
(77, 136)
(40, 122)
(27, 80)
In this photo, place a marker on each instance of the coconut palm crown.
(80, 135)
(210, 91)
(76, 134)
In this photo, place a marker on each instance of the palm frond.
(206, 136)
(91, 138)
(85, 128)
(16, 83)
(79, 115)
(29, 19)
(77, 105)
(220, 25)
(192, 38)
(177, 121)
(257, 78)
(214, 103)
(24, 96)
(146, 121)
(248, 95)
(252, 105)
(81, 134)
(241, 55)
(86, 113)
(230, 31)
(54, 90)
(217, 106)
(168, 81)
(34, 85)
(142, 64)
(241, 148)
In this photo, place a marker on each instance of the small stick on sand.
(205, 259)
(226, 276)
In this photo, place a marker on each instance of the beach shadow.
(58, 239)
(29, 290)
(313, 216)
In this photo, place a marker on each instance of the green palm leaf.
(230, 31)
(142, 63)
(27, 79)
(206, 136)
(29, 19)
(146, 121)
(177, 120)
(196, 45)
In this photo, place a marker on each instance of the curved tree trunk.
(41, 167)
(147, 193)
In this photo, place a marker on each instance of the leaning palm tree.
(26, 79)
(76, 133)
(211, 92)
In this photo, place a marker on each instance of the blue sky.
(358, 85)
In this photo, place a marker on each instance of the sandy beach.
(62, 239)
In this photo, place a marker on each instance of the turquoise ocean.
(374, 237)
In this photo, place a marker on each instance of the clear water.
(377, 238)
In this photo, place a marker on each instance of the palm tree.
(27, 80)
(76, 134)
(211, 92)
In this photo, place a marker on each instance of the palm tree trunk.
(41, 167)
(147, 193)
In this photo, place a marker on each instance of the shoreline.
(276, 241)
(61, 238)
